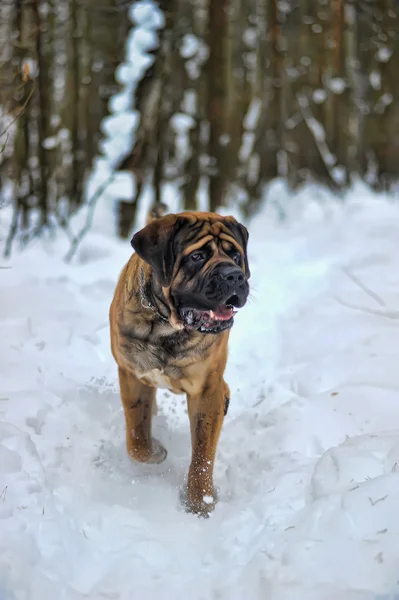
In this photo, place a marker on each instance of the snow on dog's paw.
(203, 508)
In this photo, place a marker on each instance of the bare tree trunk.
(195, 107)
(73, 85)
(297, 136)
(355, 92)
(217, 28)
(269, 133)
(42, 113)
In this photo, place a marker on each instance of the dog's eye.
(197, 256)
(237, 258)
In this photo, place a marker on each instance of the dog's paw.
(159, 453)
(155, 456)
(202, 505)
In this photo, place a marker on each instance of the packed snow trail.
(307, 464)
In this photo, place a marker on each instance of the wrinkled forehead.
(217, 231)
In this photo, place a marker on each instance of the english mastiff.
(171, 315)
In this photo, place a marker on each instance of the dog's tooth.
(212, 314)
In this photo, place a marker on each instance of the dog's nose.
(232, 276)
(227, 282)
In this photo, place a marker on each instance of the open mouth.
(210, 321)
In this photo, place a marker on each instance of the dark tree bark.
(216, 101)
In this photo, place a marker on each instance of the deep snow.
(307, 460)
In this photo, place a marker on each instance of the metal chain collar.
(145, 303)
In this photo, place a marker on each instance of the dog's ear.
(154, 244)
(241, 234)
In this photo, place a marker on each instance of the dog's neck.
(145, 296)
(149, 299)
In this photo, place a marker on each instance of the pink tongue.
(224, 313)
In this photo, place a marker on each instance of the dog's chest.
(167, 379)
(160, 361)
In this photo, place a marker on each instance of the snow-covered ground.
(308, 457)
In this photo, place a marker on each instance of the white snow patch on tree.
(337, 85)
(194, 64)
(319, 96)
(383, 102)
(250, 37)
(375, 80)
(306, 61)
(190, 45)
(317, 129)
(338, 173)
(190, 102)
(182, 122)
(120, 126)
(252, 117)
(383, 54)
(50, 143)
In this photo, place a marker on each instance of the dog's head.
(200, 262)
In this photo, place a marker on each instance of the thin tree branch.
(389, 314)
(89, 217)
(25, 104)
(363, 287)
(13, 229)
(42, 116)
(4, 145)
(321, 144)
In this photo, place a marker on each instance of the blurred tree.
(239, 93)
(57, 64)
(304, 89)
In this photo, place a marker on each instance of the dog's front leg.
(138, 403)
(206, 411)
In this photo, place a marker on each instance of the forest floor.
(308, 460)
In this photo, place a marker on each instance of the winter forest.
(285, 115)
(230, 95)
